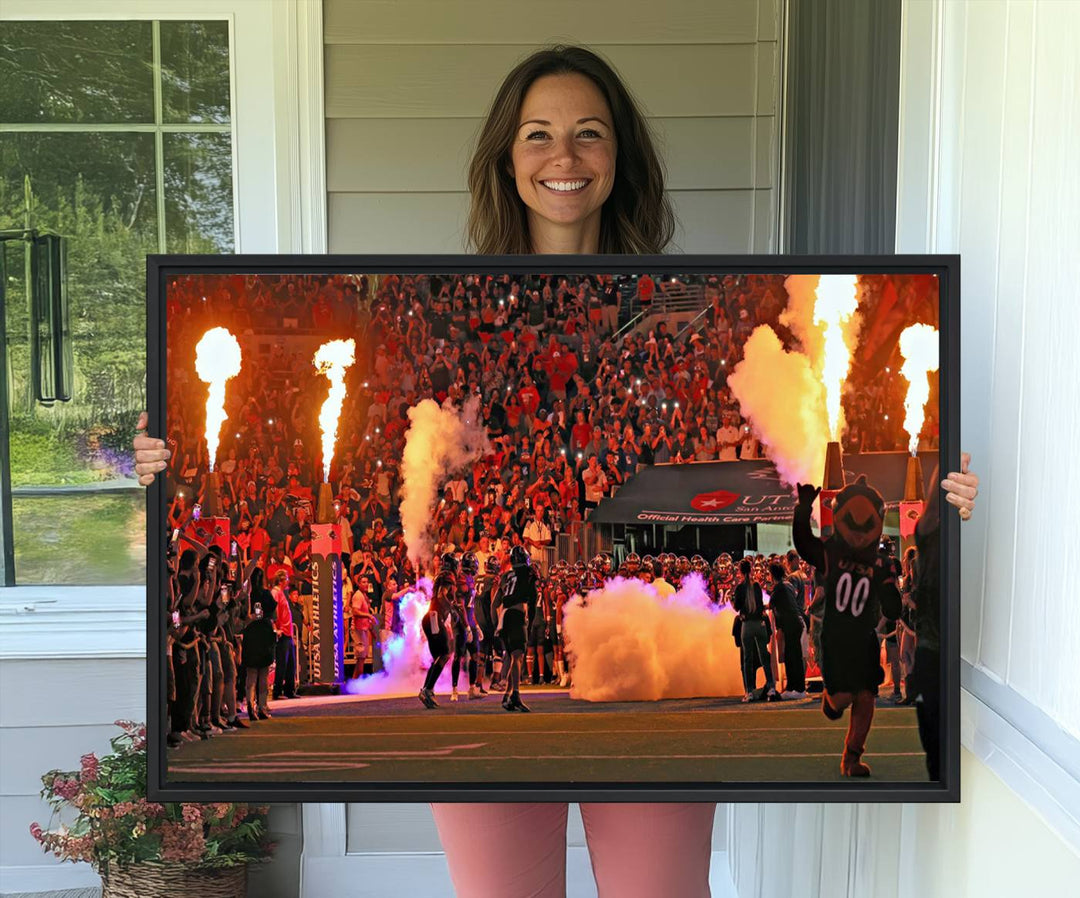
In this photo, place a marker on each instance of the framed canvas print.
(445, 528)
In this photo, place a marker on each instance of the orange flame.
(332, 359)
(217, 360)
(837, 300)
(919, 347)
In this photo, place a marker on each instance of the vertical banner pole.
(327, 661)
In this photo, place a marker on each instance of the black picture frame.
(947, 267)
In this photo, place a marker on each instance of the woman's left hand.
(961, 487)
(151, 454)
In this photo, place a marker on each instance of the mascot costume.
(859, 587)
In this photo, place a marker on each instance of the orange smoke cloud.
(784, 402)
(629, 644)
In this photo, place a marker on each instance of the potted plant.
(142, 848)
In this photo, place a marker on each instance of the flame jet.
(217, 360)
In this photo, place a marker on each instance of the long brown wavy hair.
(637, 216)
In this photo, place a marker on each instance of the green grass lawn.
(82, 539)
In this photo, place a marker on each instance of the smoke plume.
(784, 401)
(440, 441)
(629, 644)
(405, 656)
(798, 317)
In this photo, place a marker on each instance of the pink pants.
(519, 850)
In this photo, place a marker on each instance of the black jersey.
(518, 587)
(722, 586)
(443, 593)
(465, 590)
(482, 604)
(860, 588)
(542, 611)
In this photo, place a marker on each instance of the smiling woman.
(561, 117)
(563, 164)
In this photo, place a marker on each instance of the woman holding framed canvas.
(565, 164)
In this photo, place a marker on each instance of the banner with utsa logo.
(327, 658)
(737, 492)
(738, 508)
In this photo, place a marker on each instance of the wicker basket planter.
(146, 849)
(160, 880)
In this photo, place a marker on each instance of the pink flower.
(79, 848)
(65, 788)
(192, 813)
(220, 809)
(36, 832)
(181, 843)
(90, 767)
(150, 808)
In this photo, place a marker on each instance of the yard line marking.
(756, 755)
(260, 765)
(566, 757)
(720, 703)
(453, 733)
(390, 751)
(410, 714)
(279, 769)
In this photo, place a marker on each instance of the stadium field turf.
(395, 739)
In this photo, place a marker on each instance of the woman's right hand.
(150, 454)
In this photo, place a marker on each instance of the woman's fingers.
(142, 441)
(965, 505)
(150, 452)
(150, 456)
(962, 488)
(965, 485)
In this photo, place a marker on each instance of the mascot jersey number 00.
(859, 588)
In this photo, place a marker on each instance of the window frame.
(277, 123)
(285, 148)
(158, 128)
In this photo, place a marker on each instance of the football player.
(516, 600)
(437, 627)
